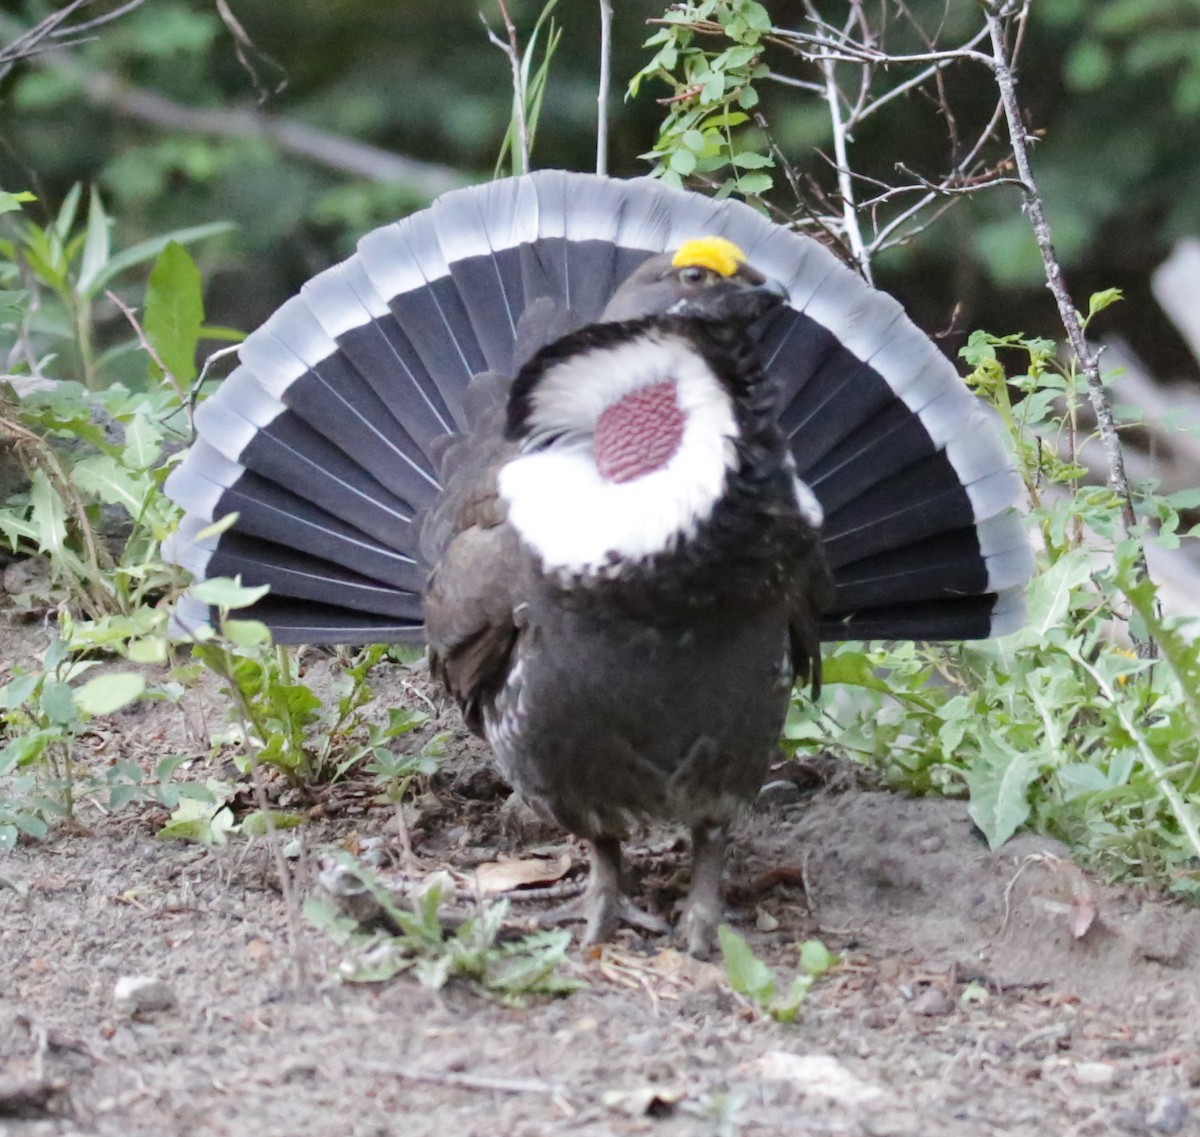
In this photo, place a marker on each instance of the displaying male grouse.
(623, 455)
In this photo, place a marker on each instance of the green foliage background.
(1114, 84)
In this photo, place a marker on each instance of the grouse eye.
(694, 274)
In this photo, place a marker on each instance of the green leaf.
(1098, 301)
(816, 958)
(96, 246)
(48, 515)
(10, 202)
(175, 311)
(112, 484)
(224, 592)
(749, 160)
(246, 633)
(105, 694)
(751, 184)
(747, 974)
(58, 702)
(143, 442)
(254, 824)
(148, 250)
(198, 821)
(999, 781)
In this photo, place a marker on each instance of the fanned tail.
(327, 439)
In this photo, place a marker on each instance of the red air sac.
(639, 433)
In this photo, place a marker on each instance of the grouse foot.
(604, 905)
(702, 912)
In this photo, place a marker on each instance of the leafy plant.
(750, 976)
(713, 93)
(283, 723)
(1084, 738)
(474, 952)
(43, 713)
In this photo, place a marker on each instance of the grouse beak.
(756, 301)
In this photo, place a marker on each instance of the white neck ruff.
(578, 522)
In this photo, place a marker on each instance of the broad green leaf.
(224, 592)
(104, 694)
(96, 247)
(58, 702)
(999, 781)
(198, 821)
(10, 202)
(175, 311)
(747, 974)
(255, 824)
(246, 633)
(816, 958)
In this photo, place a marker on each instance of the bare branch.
(1087, 355)
(333, 151)
(512, 50)
(606, 15)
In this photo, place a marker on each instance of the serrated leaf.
(999, 781)
(143, 442)
(104, 694)
(104, 477)
(175, 311)
(48, 515)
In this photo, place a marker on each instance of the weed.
(507, 970)
(750, 976)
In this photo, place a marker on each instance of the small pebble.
(765, 922)
(1169, 1115)
(1096, 1074)
(931, 1001)
(134, 994)
(779, 792)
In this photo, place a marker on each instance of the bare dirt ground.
(978, 993)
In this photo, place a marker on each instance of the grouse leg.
(604, 904)
(702, 912)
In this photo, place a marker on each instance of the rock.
(932, 1001)
(817, 1075)
(137, 994)
(1168, 1115)
(1098, 1075)
(779, 792)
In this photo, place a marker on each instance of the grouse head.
(705, 279)
(630, 429)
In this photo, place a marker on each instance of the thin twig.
(513, 51)
(1085, 353)
(851, 228)
(150, 350)
(602, 93)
